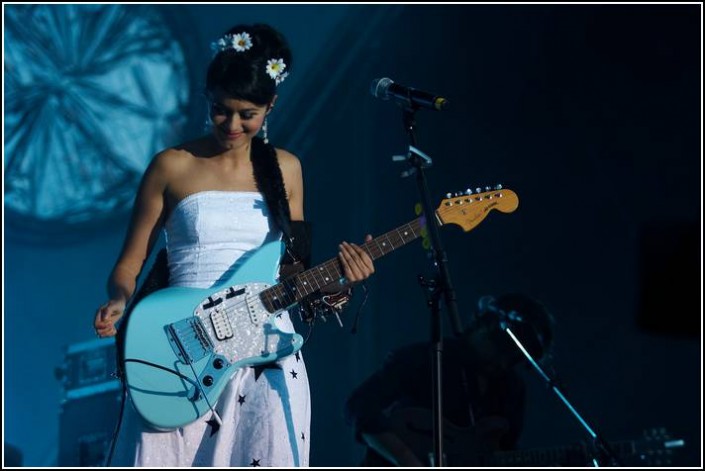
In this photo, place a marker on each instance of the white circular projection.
(91, 93)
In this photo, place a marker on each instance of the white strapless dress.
(265, 410)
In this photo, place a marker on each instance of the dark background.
(590, 113)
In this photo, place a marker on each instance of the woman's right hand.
(106, 316)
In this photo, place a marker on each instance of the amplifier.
(87, 364)
(90, 406)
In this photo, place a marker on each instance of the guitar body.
(183, 345)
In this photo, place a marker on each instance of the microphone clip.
(416, 158)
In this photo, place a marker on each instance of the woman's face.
(235, 122)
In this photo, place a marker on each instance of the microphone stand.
(603, 452)
(440, 285)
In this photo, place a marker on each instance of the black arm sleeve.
(300, 248)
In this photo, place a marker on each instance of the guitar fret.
(305, 283)
(378, 252)
(390, 243)
(290, 291)
(333, 265)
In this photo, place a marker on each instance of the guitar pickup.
(232, 293)
(221, 325)
(212, 302)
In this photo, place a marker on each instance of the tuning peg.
(478, 190)
(498, 186)
(449, 195)
(468, 191)
(487, 188)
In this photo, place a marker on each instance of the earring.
(264, 130)
(208, 122)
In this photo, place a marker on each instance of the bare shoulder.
(176, 160)
(288, 162)
(168, 160)
(293, 181)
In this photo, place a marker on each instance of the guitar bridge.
(189, 340)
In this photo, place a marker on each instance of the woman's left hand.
(357, 263)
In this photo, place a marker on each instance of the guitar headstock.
(467, 209)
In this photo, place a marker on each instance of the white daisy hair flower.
(241, 42)
(275, 68)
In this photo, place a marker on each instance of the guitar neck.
(294, 289)
(571, 455)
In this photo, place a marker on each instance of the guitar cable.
(118, 425)
(359, 309)
(185, 378)
(116, 432)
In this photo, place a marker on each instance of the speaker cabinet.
(91, 403)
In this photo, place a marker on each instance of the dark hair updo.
(243, 74)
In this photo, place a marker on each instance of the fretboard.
(292, 290)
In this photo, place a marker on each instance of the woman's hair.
(243, 73)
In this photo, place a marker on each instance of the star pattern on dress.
(215, 426)
(279, 316)
(259, 369)
(255, 463)
(294, 374)
(297, 355)
(241, 399)
(303, 437)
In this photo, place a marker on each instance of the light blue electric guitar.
(182, 345)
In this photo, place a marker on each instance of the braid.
(270, 182)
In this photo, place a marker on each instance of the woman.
(207, 196)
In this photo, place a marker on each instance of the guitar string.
(309, 279)
(271, 295)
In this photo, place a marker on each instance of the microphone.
(489, 304)
(385, 88)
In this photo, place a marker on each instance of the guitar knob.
(208, 380)
(218, 363)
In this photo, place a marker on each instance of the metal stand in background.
(439, 285)
(603, 455)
